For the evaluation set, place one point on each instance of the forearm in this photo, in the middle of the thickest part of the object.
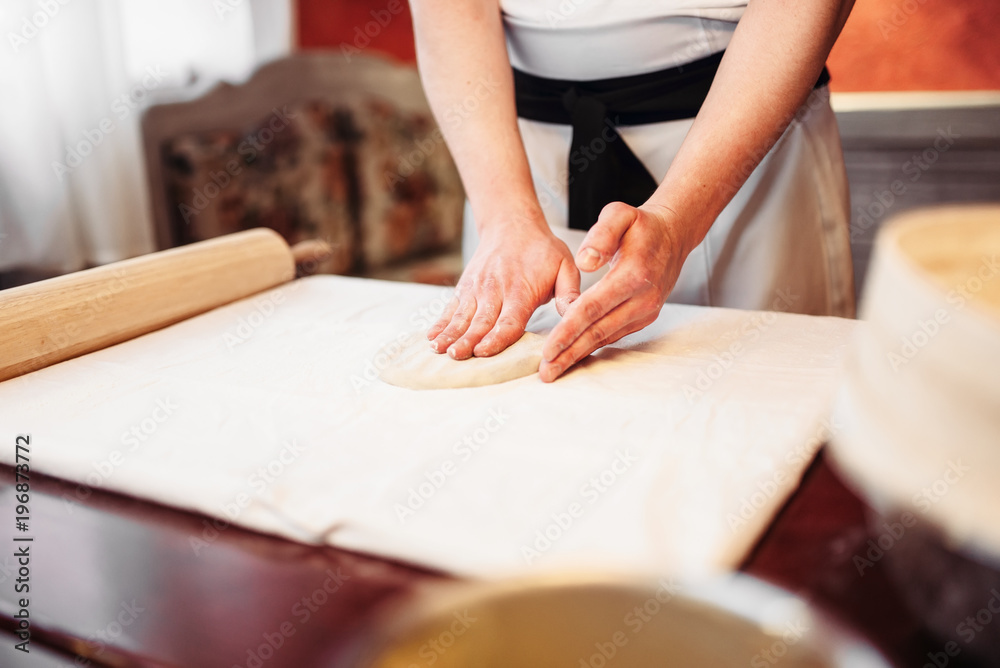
(467, 76)
(774, 59)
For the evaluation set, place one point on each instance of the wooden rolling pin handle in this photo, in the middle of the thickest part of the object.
(50, 321)
(309, 254)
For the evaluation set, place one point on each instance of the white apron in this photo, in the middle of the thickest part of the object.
(782, 243)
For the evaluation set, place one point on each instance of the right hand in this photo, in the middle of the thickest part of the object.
(518, 266)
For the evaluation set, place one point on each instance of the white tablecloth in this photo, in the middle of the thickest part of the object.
(670, 451)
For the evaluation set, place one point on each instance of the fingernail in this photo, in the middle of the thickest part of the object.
(555, 371)
(453, 353)
(589, 256)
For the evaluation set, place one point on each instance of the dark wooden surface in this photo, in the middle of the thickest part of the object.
(128, 569)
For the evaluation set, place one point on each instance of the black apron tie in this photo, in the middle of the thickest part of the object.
(602, 168)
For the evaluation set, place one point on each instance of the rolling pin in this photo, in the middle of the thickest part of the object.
(60, 318)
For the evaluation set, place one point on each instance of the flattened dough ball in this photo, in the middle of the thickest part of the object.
(417, 367)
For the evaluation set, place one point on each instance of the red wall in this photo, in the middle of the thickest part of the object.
(919, 45)
(342, 24)
(886, 44)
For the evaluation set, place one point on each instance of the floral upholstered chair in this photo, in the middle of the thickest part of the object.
(316, 147)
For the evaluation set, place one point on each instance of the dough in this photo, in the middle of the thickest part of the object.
(418, 367)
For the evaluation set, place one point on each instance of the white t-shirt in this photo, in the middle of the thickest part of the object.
(598, 39)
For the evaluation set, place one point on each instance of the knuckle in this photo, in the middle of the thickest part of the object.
(485, 316)
(615, 209)
(465, 314)
(592, 310)
(454, 330)
(598, 337)
(508, 322)
(480, 329)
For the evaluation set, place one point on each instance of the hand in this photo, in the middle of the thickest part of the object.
(516, 268)
(643, 246)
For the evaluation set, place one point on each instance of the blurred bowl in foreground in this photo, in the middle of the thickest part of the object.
(595, 621)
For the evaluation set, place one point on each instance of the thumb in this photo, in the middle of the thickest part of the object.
(603, 239)
(567, 286)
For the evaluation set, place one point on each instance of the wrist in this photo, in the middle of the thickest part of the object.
(526, 216)
(684, 233)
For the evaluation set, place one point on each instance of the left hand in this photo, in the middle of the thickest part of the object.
(645, 248)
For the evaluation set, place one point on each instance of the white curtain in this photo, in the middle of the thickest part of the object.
(74, 78)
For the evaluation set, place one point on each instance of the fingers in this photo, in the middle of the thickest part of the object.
(567, 286)
(458, 325)
(488, 308)
(445, 318)
(604, 238)
(621, 321)
(592, 305)
(509, 327)
(499, 291)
